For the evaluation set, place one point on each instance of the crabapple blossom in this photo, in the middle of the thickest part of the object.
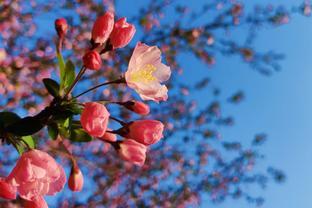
(61, 27)
(94, 119)
(122, 33)
(137, 107)
(37, 174)
(132, 151)
(39, 202)
(7, 190)
(108, 137)
(146, 132)
(92, 60)
(102, 28)
(146, 72)
(75, 181)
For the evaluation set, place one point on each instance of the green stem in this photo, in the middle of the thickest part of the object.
(81, 72)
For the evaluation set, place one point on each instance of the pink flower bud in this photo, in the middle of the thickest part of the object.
(132, 151)
(38, 202)
(7, 190)
(109, 137)
(146, 132)
(137, 107)
(94, 119)
(92, 60)
(102, 28)
(61, 27)
(122, 33)
(75, 181)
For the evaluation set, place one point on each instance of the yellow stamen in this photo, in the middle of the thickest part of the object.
(144, 75)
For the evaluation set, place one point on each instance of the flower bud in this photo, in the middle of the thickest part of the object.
(137, 107)
(92, 60)
(94, 119)
(7, 191)
(132, 151)
(102, 28)
(38, 202)
(61, 27)
(75, 181)
(146, 132)
(109, 137)
(122, 33)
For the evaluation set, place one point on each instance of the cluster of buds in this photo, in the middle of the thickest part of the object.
(36, 173)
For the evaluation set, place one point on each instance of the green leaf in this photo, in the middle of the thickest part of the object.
(53, 130)
(25, 143)
(25, 126)
(52, 86)
(61, 63)
(69, 75)
(7, 118)
(79, 135)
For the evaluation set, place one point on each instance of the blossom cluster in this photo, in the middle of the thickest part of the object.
(37, 173)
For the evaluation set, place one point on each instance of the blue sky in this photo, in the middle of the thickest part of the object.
(279, 105)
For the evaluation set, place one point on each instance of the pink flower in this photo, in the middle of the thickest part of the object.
(75, 181)
(137, 107)
(146, 72)
(61, 27)
(122, 33)
(94, 119)
(109, 137)
(37, 174)
(7, 191)
(132, 151)
(92, 60)
(102, 28)
(146, 132)
(39, 202)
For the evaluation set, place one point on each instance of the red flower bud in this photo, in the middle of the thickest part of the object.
(146, 132)
(94, 119)
(102, 28)
(122, 33)
(75, 181)
(132, 151)
(7, 191)
(137, 107)
(92, 60)
(61, 27)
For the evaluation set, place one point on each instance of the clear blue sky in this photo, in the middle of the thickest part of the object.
(280, 105)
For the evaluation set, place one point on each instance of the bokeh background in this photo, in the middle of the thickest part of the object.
(278, 105)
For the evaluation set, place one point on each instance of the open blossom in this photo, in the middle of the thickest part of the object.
(103, 27)
(146, 132)
(94, 119)
(132, 151)
(37, 174)
(122, 33)
(92, 60)
(7, 190)
(146, 72)
(75, 181)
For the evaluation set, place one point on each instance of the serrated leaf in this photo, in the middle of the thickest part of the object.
(53, 130)
(79, 135)
(25, 143)
(52, 86)
(7, 118)
(69, 75)
(25, 126)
